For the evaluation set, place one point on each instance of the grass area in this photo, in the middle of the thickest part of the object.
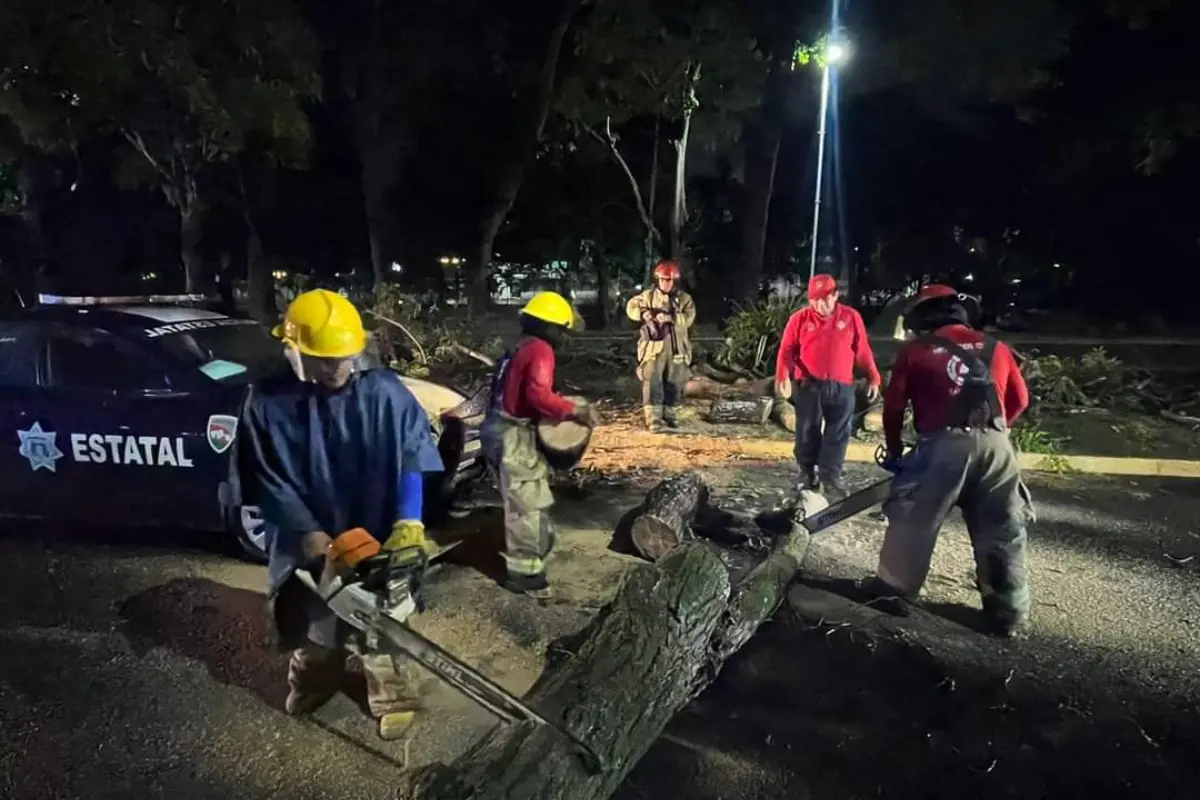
(1107, 433)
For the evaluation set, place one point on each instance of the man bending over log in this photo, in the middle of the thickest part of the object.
(966, 390)
(523, 395)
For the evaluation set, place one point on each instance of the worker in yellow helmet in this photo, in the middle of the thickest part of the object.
(335, 447)
(523, 395)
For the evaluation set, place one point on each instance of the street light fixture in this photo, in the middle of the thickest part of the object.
(836, 52)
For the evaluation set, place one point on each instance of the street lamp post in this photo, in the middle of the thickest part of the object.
(835, 53)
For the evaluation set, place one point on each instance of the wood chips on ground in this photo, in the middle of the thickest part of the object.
(622, 446)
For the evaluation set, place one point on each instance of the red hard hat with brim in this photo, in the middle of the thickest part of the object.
(821, 286)
(667, 270)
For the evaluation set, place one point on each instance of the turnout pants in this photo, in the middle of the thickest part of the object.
(392, 683)
(663, 378)
(818, 402)
(524, 480)
(978, 471)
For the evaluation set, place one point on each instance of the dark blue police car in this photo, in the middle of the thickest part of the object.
(123, 411)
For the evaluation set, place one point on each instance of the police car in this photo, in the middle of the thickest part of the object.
(123, 411)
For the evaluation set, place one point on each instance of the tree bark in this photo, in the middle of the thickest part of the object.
(657, 645)
(667, 515)
(37, 263)
(763, 137)
(508, 177)
(741, 412)
(191, 229)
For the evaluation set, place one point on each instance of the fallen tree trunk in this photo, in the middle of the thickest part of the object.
(651, 650)
(741, 412)
(667, 515)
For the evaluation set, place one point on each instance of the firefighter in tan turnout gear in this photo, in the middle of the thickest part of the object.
(664, 352)
(523, 395)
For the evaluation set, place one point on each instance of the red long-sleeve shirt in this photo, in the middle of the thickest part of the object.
(825, 348)
(528, 385)
(921, 376)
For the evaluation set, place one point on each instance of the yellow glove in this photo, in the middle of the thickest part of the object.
(409, 534)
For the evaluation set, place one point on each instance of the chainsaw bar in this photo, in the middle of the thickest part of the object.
(847, 507)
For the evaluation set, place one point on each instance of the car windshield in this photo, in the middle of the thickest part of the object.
(228, 353)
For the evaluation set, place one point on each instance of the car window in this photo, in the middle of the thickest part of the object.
(20, 354)
(226, 353)
(95, 360)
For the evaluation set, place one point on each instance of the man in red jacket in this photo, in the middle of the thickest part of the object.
(965, 390)
(822, 343)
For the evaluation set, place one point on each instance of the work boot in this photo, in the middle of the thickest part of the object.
(881, 596)
(1000, 620)
(653, 416)
(670, 419)
(535, 586)
(808, 480)
(301, 704)
(833, 488)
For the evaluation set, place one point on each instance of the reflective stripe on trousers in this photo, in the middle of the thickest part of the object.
(979, 472)
(523, 477)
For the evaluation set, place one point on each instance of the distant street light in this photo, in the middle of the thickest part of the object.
(836, 52)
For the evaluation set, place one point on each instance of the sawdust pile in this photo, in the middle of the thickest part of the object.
(622, 446)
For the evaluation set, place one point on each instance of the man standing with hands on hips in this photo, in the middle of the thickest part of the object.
(822, 343)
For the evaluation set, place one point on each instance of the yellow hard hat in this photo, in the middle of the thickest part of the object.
(550, 307)
(323, 324)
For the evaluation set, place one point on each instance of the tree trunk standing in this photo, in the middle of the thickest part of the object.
(652, 204)
(679, 214)
(191, 231)
(649, 652)
(764, 136)
(37, 261)
(380, 154)
(260, 284)
(527, 135)
(604, 301)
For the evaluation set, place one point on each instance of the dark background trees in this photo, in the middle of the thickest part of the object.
(1043, 153)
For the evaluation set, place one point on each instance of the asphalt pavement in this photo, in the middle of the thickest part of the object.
(132, 669)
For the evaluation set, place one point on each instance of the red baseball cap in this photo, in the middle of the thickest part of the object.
(821, 286)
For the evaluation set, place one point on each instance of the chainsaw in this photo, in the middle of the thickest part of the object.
(852, 504)
(378, 595)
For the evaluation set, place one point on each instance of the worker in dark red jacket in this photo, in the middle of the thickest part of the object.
(965, 390)
(822, 343)
(522, 395)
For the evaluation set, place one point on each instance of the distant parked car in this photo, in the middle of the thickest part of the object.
(124, 412)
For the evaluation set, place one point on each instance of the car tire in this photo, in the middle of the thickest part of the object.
(249, 532)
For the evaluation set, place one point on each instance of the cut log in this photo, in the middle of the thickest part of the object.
(667, 515)
(784, 414)
(741, 412)
(662, 639)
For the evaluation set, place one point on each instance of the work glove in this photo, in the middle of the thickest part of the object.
(873, 393)
(408, 543)
(783, 389)
(586, 413)
(891, 462)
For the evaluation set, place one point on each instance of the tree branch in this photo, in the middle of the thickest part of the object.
(609, 140)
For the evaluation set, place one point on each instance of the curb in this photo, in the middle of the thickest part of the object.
(860, 452)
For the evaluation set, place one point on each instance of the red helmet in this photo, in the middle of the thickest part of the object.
(667, 270)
